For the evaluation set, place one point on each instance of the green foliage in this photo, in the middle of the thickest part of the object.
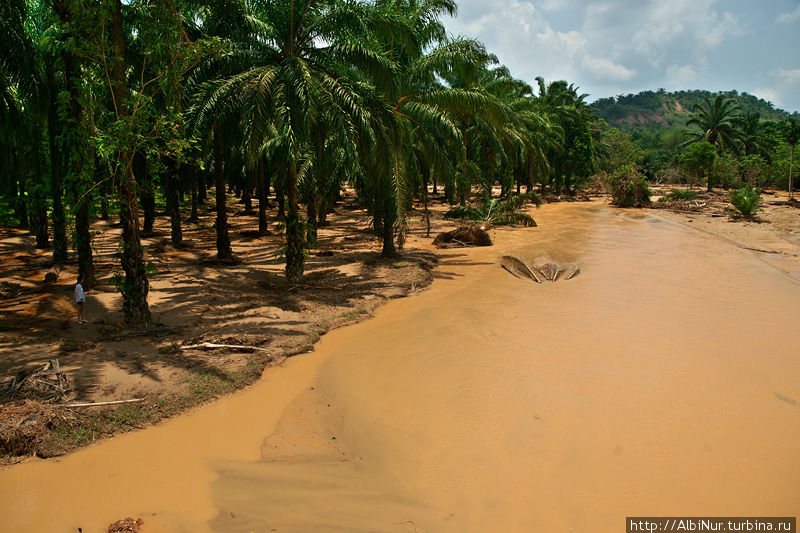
(699, 157)
(628, 188)
(716, 123)
(660, 109)
(677, 195)
(499, 212)
(746, 200)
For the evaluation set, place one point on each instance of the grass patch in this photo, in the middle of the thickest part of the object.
(126, 416)
(355, 314)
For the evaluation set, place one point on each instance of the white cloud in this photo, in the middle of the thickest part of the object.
(770, 95)
(614, 46)
(784, 91)
(680, 75)
(604, 69)
(788, 77)
(788, 18)
(568, 43)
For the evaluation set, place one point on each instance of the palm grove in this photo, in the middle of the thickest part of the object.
(107, 106)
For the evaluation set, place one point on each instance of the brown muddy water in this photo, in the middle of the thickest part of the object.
(663, 380)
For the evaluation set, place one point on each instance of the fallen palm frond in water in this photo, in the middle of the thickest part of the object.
(517, 267)
(548, 271)
(573, 270)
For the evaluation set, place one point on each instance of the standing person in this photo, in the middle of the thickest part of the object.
(80, 299)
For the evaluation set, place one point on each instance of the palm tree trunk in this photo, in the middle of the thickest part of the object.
(135, 286)
(83, 242)
(173, 206)
(791, 163)
(294, 238)
(192, 176)
(76, 154)
(38, 205)
(224, 252)
(202, 193)
(148, 199)
(20, 205)
(247, 199)
(425, 176)
(280, 194)
(311, 210)
(56, 185)
(262, 198)
(389, 249)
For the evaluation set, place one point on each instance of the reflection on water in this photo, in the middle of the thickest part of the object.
(658, 382)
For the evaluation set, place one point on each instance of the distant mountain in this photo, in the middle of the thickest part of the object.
(662, 109)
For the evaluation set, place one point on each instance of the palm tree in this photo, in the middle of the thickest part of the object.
(791, 135)
(715, 123)
(287, 81)
(416, 117)
(753, 136)
(572, 154)
(22, 106)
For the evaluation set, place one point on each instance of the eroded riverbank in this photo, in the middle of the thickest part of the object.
(661, 381)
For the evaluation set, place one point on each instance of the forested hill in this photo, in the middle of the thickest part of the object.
(656, 109)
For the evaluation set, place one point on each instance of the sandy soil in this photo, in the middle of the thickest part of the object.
(773, 233)
(193, 299)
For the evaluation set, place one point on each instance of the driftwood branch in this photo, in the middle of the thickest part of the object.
(211, 346)
(94, 404)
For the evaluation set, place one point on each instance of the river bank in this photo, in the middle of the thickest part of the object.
(194, 300)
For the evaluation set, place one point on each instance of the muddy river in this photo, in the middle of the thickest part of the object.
(664, 380)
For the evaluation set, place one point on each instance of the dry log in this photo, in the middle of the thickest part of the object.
(211, 346)
(95, 404)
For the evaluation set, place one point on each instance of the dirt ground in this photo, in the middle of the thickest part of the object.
(193, 300)
(773, 233)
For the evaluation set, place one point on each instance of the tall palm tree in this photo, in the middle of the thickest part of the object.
(571, 156)
(791, 135)
(418, 125)
(715, 123)
(753, 136)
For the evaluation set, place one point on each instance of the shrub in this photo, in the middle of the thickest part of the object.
(628, 188)
(499, 212)
(746, 200)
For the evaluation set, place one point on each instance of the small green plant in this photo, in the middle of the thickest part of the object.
(677, 195)
(746, 200)
(499, 212)
(628, 188)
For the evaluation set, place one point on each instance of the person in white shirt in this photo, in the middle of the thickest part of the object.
(80, 300)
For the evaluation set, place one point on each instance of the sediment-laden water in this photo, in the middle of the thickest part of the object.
(663, 380)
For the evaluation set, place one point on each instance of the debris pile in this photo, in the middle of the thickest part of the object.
(45, 383)
(463, 237)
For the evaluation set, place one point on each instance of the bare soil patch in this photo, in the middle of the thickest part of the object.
(773, 233)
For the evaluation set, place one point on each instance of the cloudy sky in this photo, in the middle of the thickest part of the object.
(624, 46)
